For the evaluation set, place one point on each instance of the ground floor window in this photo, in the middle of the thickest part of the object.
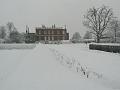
(42, 38)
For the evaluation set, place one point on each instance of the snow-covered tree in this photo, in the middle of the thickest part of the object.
(115, 29)
(87, 35)
(76, 37)
(113, 34)
(15, 37)
(11, 27)
(2, 32)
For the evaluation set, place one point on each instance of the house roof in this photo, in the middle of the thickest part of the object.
(50, 28)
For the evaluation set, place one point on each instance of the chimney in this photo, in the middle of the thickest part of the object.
(54, 25)
(27, 29)
(65, 26)
(26, 32)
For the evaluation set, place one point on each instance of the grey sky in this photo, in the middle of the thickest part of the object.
(60, 12)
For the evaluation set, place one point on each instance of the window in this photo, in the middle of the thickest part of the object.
(42, 37)
(48, 31)
(55, 32)
(42, 32)
(63, 32)
(61, 38)
(46, 37)
(39, 32)
(50, 37)
(45, 32)
(58, 32)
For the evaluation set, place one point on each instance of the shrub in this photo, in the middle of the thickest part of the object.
(107, 48)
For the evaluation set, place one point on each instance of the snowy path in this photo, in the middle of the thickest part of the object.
(39, 70)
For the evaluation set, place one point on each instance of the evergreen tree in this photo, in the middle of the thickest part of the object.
(76, 37)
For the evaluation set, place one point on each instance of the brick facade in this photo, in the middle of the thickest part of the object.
(48, 34)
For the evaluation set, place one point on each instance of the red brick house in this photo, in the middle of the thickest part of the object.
(48, 34)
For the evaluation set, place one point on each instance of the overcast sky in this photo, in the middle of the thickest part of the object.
(60, 12)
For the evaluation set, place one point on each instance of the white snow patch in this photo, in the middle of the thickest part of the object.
(38, 69)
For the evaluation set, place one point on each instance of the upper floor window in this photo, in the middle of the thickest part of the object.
(48, 31)
(63, 32)
(45, 32)
(39, 32)
(51, 32)
(55, 32)
(58, 32)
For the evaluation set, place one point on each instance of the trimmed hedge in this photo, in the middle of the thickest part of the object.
(107, 48)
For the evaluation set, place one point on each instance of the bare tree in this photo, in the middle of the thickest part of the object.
(97, 20)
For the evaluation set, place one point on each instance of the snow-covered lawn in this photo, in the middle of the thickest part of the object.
(45, 68)
(105, 63)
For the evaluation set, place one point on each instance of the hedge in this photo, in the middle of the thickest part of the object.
(107, 48)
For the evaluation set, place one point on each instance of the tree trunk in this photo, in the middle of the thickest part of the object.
(115, 36)
(98, 39)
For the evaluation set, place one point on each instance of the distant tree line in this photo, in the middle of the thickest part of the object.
(10, 34)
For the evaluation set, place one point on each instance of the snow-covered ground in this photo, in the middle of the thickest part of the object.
(49, 67)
